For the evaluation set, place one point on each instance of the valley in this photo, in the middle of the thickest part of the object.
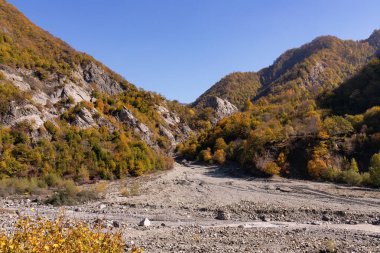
(282, 159)
(195, 208)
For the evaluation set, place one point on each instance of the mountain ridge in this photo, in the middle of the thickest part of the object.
(268, 76)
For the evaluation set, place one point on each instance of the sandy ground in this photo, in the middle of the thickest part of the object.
(209, 209)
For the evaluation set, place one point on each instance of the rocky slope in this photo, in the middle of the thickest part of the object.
(62, 112)
(55, 77)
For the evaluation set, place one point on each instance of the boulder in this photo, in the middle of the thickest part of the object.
(144, 222)
(223, 215)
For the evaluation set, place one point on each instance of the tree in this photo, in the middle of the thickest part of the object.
(248, 106)
(354, 165)
(374, 170)
(219, 156)
(337, 125)
(205, 155)
(220, 144)
(317, 168)
(271, 168)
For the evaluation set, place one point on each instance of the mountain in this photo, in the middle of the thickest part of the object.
(63, 112)
(235, 88)
(314, 114)
(315, 67)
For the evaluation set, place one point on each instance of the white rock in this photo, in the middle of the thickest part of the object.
(145, 222)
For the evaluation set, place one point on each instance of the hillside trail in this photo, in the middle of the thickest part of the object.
(194, 208)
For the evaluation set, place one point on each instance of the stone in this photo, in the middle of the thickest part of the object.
(284, 189)
(223, 215)
(115, 224)
(222, 107)
(144, 222)
(102, 206)
(326, 218)
(264, 218)
(92, 73)
(84, 119)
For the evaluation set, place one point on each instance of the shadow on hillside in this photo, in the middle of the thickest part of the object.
(357, 94)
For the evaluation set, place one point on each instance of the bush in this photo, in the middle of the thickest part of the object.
(354, 165)
(317, 168)
(133, 190)
(219, 156)
(69, 194)
(337, 125)
(205, 155)
(45, 236)
(374, 170)
(10, 186)
(366, 178)
(351, 177)
(333, 174)
(220, 144)
(271, 168)
(53, 180)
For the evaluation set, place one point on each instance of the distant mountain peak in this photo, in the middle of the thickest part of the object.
(374, 39)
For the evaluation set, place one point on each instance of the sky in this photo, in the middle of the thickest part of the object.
(179, 48)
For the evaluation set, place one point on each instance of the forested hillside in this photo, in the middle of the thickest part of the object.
(314, 116)
(64, 113)
(315, 67)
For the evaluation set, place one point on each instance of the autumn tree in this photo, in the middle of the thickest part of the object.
(220, 144)
(374, 170)
(219, 156)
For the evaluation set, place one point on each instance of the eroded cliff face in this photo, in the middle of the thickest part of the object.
(49, 98)
(222, 107)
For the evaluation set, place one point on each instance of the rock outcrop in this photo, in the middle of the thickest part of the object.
(127, 117)
(222, 107)
(176, 130)
(93, 74)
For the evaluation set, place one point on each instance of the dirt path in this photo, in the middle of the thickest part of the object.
(255, 215)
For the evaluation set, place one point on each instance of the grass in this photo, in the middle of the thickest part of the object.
(133, 190)
(28, 186)
(70, 194)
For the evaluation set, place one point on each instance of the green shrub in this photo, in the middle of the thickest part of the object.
(10, 186)
(374, 170)
(70, 194)
(333, 174)
(351, 177)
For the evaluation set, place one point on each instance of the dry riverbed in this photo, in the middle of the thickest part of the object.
(209, 209)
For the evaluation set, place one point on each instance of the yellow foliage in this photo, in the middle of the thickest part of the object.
(281, 159)
(45, 236)
(219, 156)
(271, 168)
(317, 168)
(205, 155)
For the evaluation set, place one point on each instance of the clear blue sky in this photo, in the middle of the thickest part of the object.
(179, 48)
